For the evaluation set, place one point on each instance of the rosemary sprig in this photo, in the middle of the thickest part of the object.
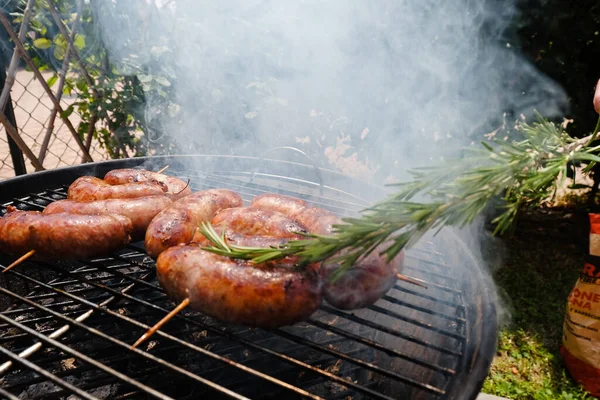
(522, 173)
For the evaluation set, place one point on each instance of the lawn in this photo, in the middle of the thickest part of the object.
(539, 265)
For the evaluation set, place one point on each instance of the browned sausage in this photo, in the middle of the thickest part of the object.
(254, 227)
(177, 224)
(287, 205)
(140, 210)
(63, 236)
(365, 282)
(268, 295)
(89, 188)
(258, 222)
(176, 188)
(317, 220)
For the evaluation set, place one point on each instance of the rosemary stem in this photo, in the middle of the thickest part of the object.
(596, 129)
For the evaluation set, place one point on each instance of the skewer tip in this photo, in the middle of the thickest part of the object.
(161, 323)
(414, 281)
(163, 169)
(19, 260)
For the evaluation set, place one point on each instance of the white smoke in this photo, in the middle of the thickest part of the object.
(401, 83)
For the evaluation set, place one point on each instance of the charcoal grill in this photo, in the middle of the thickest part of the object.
(66, 327)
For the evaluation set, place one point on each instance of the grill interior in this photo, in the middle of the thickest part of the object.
(66, 327)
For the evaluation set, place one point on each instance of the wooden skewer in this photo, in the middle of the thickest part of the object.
(163, 169)
(163, 321)
(19, 260)
(414, 281)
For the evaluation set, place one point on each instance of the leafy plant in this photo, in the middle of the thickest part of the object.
(111, 95)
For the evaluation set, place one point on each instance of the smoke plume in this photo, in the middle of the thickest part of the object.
(383, 86)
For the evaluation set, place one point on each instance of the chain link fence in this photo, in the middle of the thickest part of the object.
(33, 112)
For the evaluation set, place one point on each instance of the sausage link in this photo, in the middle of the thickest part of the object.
(253, 227)
(286, 205)
(237, 292)
(89, 188)
(63, 236)
(140, 210)
(362, 284)
(177, 224)
(257, 222)
(176, 188)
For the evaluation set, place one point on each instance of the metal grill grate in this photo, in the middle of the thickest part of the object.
(66, 328)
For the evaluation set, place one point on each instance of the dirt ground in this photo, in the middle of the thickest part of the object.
(33, 109)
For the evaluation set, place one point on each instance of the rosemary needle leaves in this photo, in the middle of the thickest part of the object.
(522, 173)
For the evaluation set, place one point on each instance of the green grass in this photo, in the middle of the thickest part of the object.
(539, 267)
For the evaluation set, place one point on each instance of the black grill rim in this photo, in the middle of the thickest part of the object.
(480, 347)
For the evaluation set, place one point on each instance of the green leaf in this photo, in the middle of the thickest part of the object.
(79, 41)
(59, 40)
(67, 112)
(162, 80)
(42, 43)
(81, 85)
(145, 78)
(59, 52)
(52, 80)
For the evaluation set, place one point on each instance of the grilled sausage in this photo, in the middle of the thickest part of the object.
(140, 210)
(89, 188)
(177, 224)
(318, 220)
(258, 222)
(361, 285)
(286, 205)
(254, 227)
(63, 236)
(176, 188)
(267, 295)
(364, 283)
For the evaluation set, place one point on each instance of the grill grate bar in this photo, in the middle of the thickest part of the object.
(8, 395)
(423, 325)
(364, 364)
(43, 372)
(390, 331)
(155, 359)
(380, 347)
(30, 204)
(208, 328)
(85, 368)
(125, 378)
(30, 309)
(242, 187)
(82, 290)
(435, 264)
(62, 330)
(48, 199)
(374, 308)
(423, 309)
(427, 297)
(433, 284)
(32, 295)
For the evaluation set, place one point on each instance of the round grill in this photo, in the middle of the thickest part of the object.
(66, 327)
